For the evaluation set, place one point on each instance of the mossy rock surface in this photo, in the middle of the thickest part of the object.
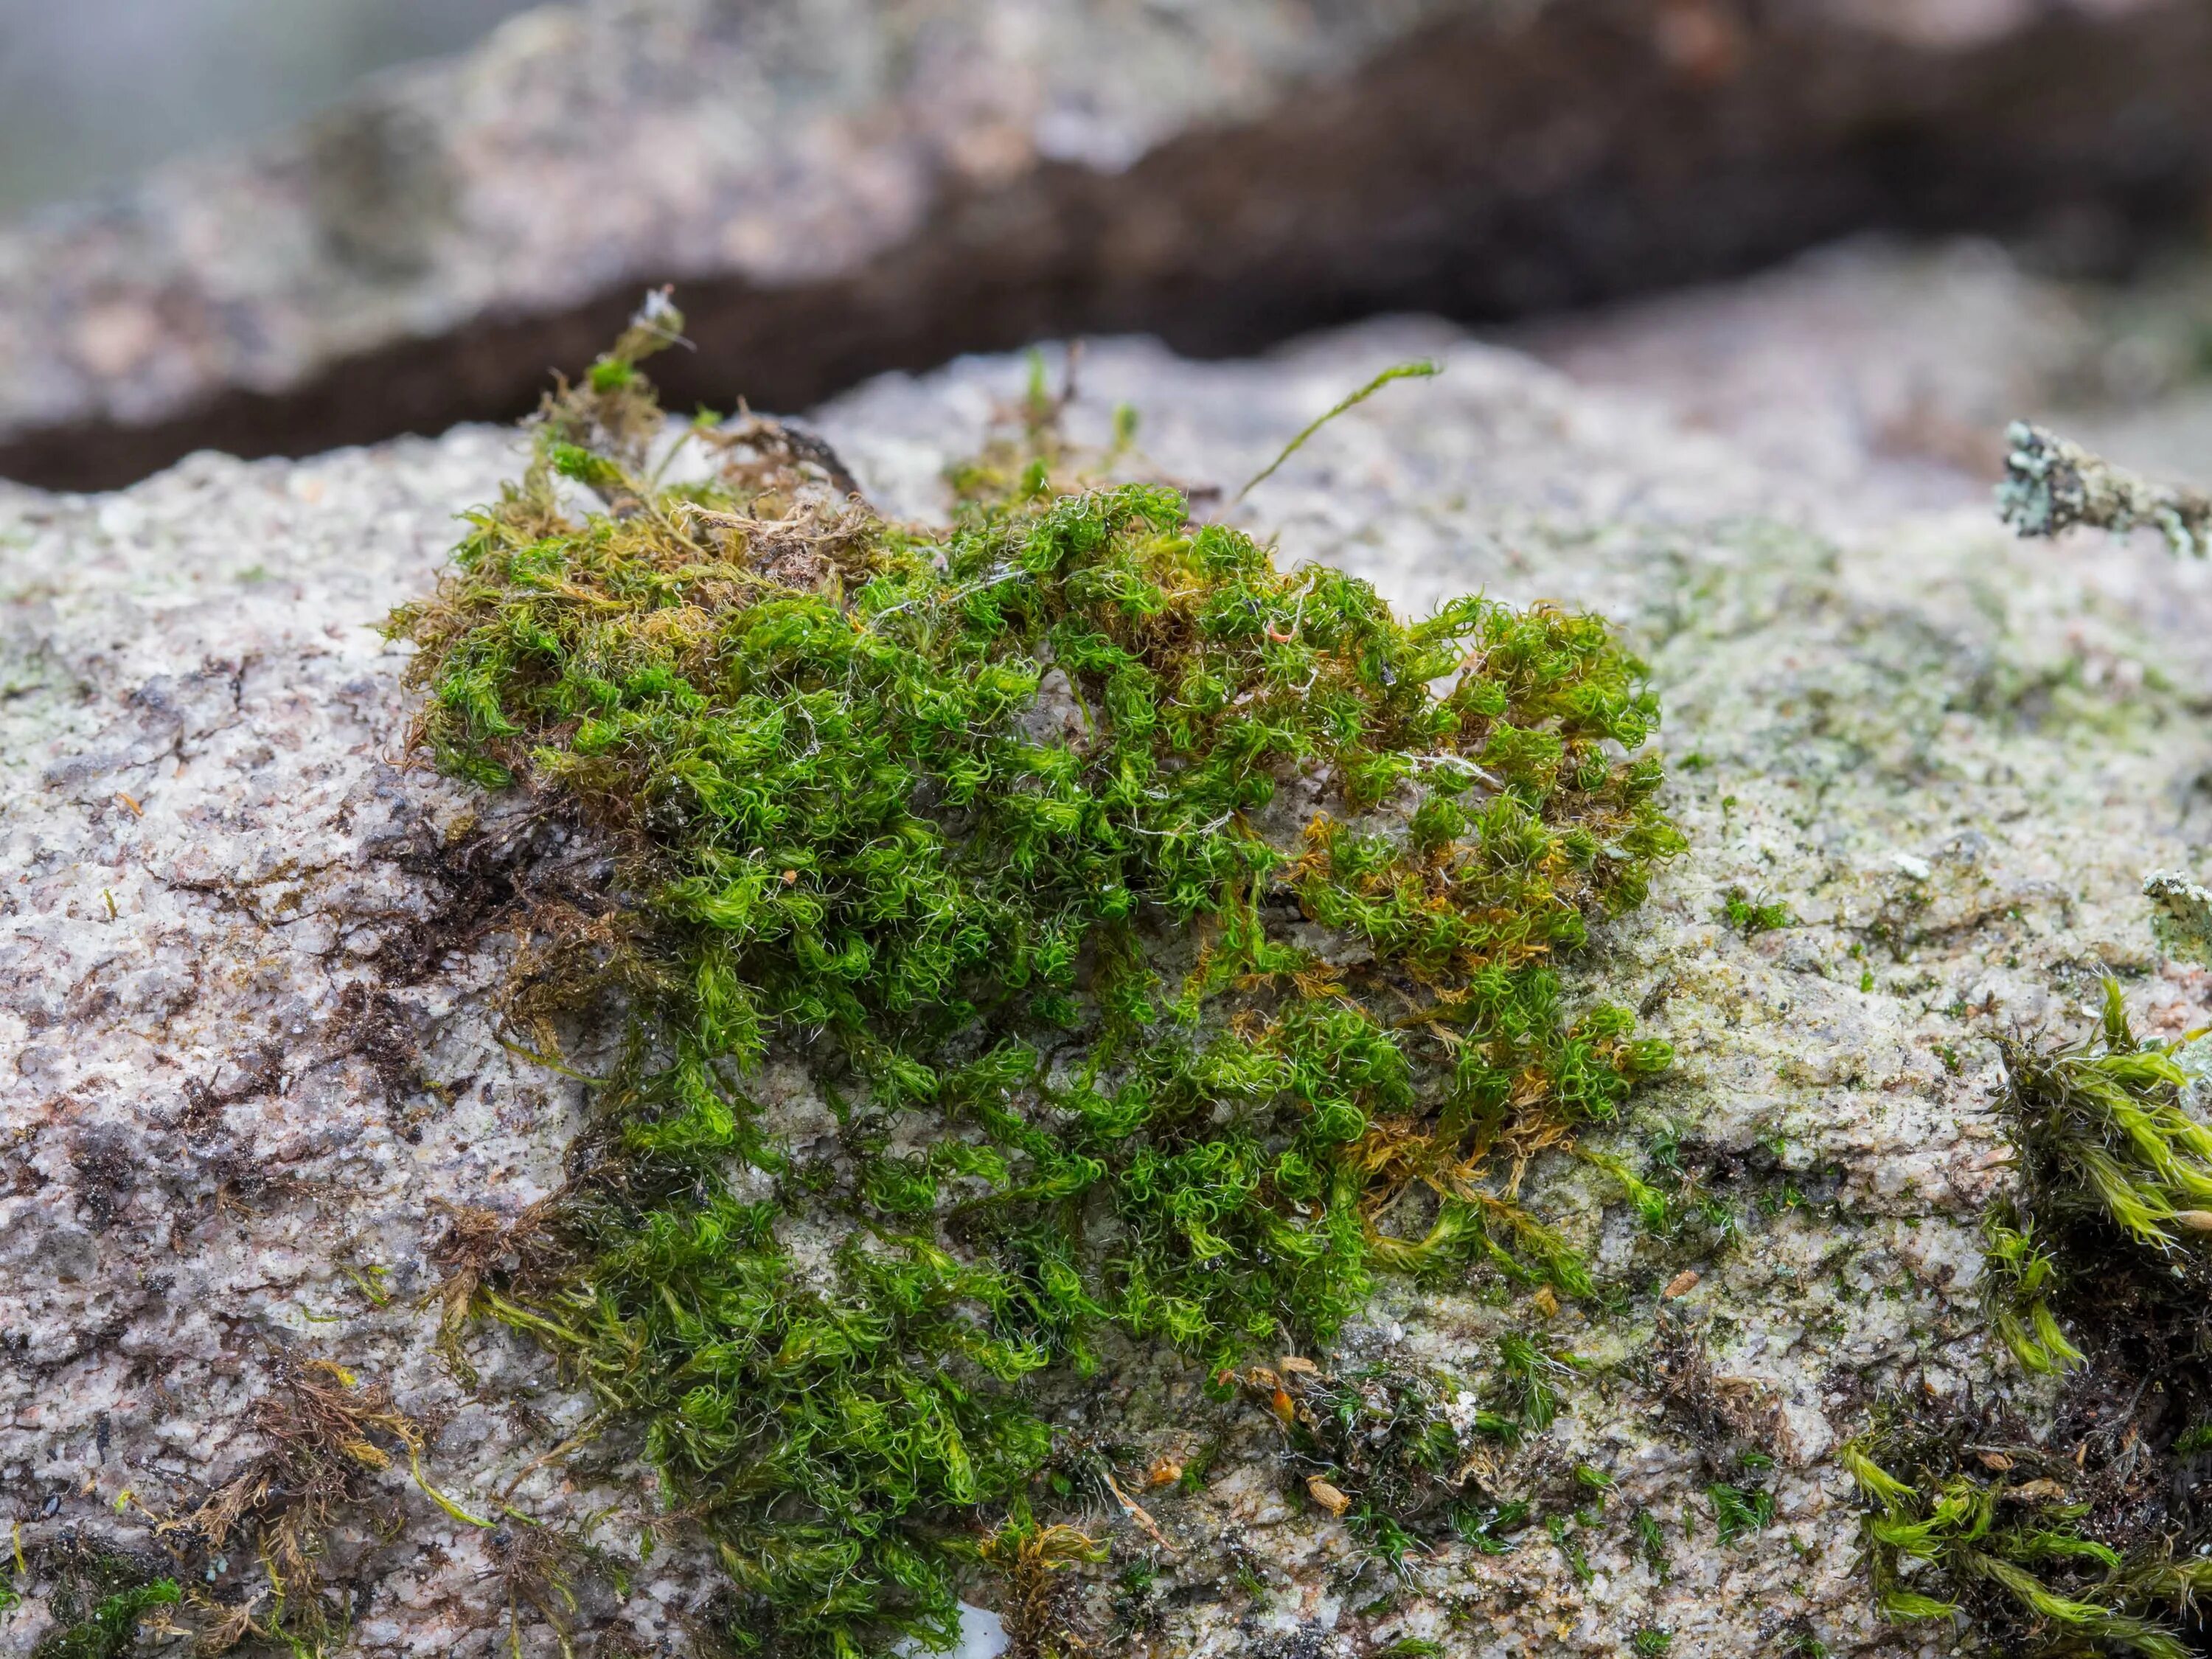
(256, 1099)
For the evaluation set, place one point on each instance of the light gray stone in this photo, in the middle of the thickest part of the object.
(239, 940)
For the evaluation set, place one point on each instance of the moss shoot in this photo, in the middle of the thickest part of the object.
(1173, 939)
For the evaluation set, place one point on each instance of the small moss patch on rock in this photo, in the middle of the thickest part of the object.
(1172, 941)
(100, 1597)
(2077, 1529)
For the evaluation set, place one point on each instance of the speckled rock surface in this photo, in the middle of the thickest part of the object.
(247, 1033)
(844, 186)
(248, 1074)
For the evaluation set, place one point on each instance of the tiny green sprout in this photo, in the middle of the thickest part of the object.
(1136, 1596)
(1651, 1204)
(1739, 1511)
(1038, 405)
(1651, 1643)
(369, 1279)
(1752, 917)
(2193, 1440)
(1489, 1528)
(1387, 1539)
(1196, 1468)
(1569, 1548)
(1596, 1479)
(1421, 369)
(1651, 1544)
(2016, 1292)
(1013, 839)
(1410, 1647)
(1531, 1380)
(1720, 1217)
(1789, 1198)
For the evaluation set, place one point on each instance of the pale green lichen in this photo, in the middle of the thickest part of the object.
(2052, 485)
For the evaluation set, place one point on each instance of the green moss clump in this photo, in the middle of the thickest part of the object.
(1031, 1563)
(1946, 1539)
(2110, 1225)
(100, 1600)
(2104, 1139)
(1173, 937)
(1752, 917)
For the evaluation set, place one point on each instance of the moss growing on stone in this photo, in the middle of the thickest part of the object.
(1944, 1540)
(110, 1628)
(2074, 1535)
(1752, 916)
(1970, 1514)
(1174, 940)
(2020, 1278)
(2106, 1145)
(99, 1598)
(1401, 1452)
(1032, 1562)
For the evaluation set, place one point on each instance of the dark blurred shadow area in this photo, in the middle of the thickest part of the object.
(842, 187)
(93, 91)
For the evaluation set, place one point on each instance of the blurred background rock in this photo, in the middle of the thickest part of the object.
(94, 91)
(222, 237)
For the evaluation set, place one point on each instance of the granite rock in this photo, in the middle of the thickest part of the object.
(251, 1073)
